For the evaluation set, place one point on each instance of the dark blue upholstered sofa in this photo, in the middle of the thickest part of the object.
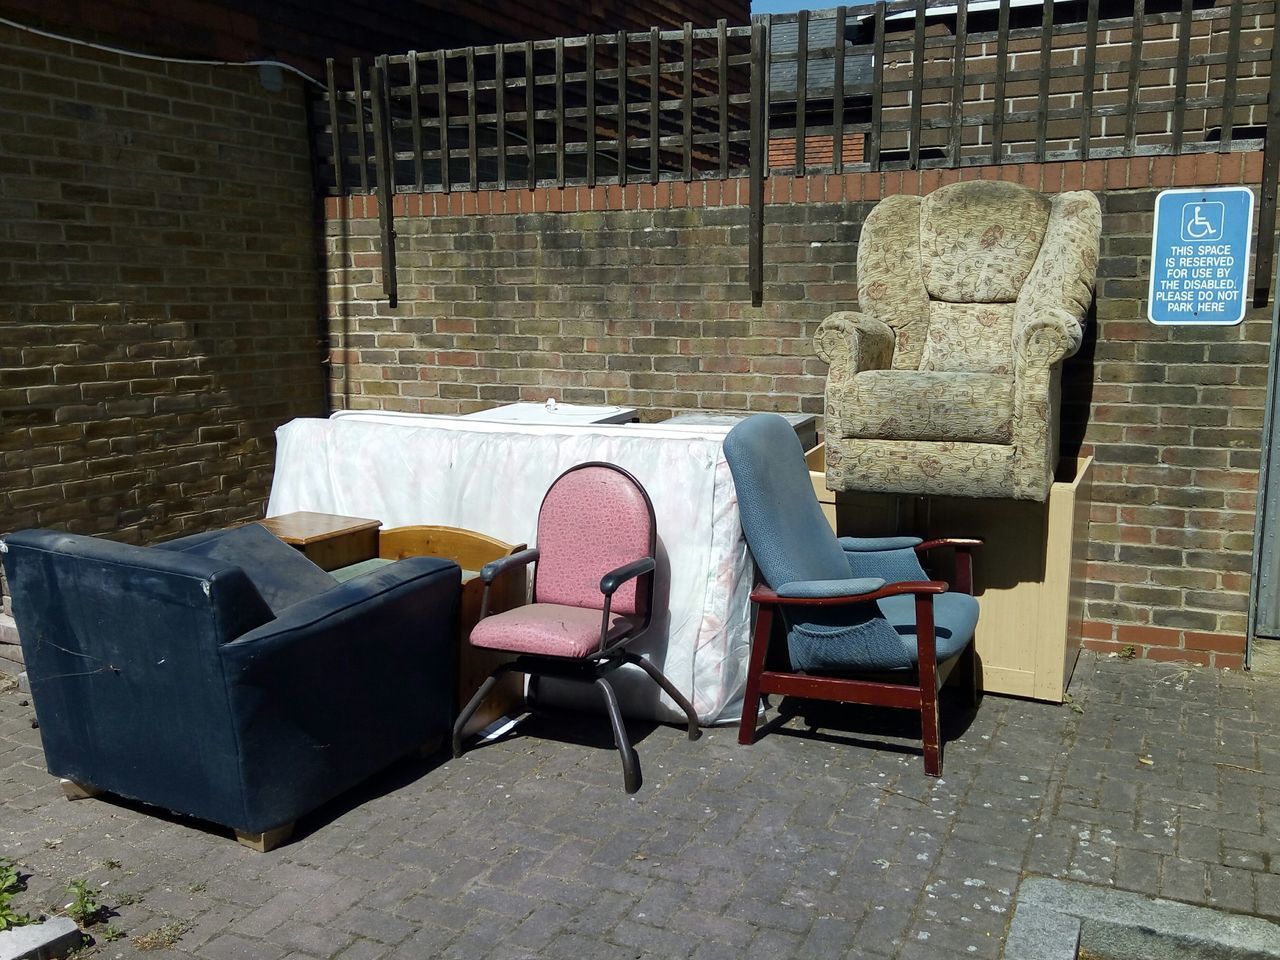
(226, 677)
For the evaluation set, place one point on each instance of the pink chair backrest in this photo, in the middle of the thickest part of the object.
(594, 519)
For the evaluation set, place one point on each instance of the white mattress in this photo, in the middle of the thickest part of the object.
(490, 477)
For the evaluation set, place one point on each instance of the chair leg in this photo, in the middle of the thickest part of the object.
(930, 728)
(669, 688)
(755, 667)
(474, 704)
(630, 764)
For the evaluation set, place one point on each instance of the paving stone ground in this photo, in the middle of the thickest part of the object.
(1161, 779)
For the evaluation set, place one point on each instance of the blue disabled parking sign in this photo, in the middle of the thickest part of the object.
(1200, 256)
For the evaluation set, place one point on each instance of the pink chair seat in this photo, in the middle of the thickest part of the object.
(549, 629)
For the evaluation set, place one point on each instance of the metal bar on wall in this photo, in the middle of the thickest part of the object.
(415, 115)
(1270, 174)
(955, 142)
(622, 108)
(755, 194)
(1229, 86)
(877, 85)
(654, 65)
(1042, 95)
(1180, 76)
(473, 148)
(722, 73)
(687, 56)
(802, 86)
(362, 147)
(1002, 68)
(500, 110)
(335, 130)
(591, 111)
(1135, 75)
(1086, 94)
(442, 99)
(378, 92)
(837, 97)
(530, 124)
(917, 85)
(560, 176)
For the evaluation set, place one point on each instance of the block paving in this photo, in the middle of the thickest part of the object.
(1157, 778)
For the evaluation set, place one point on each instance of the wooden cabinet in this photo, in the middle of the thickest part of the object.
(471, 551)
(1029, 575)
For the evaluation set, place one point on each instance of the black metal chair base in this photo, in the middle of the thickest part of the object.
(593, 671)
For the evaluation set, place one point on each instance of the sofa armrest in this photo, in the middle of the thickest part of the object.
(340, 685)
(851, 341)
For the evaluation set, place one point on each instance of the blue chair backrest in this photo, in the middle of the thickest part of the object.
(789, 537)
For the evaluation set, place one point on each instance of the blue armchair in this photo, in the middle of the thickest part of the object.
(225, 676)
(863, 622)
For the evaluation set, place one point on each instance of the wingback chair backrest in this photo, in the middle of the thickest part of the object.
(957, 273)
(595, 518)
(789, 537)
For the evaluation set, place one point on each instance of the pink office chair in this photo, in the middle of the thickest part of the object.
(592, 596)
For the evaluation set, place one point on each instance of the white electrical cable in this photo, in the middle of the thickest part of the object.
(107, 48)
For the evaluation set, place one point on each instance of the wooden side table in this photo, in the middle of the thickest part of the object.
(327, 540)
(471, 551)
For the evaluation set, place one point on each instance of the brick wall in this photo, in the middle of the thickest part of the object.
(158, 295)
(638, 296)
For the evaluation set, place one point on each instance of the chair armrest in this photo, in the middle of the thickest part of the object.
(1051, 335)
(342, 684)
(495, 568)
(964, 558)
(830, 588)
(853, 341)
(875, 544)
(612, 580)
(763, 594)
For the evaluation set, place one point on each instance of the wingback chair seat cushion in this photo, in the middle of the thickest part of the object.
(548, 629)
(162, 675)
(911, 405)
(970, 299)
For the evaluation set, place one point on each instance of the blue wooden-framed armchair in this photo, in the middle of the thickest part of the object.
(863, 621)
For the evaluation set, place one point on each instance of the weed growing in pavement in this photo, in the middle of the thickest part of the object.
(84, 907)
(10, 885)
(161, 937)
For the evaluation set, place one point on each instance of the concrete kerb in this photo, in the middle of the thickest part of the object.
(1053, 918)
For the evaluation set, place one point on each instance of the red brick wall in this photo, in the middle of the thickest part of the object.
(638, 296)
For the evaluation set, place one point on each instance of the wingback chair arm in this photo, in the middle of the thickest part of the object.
(963, 547)
(766, 595)
(876, 544)
(851, 341)
(1051, 335)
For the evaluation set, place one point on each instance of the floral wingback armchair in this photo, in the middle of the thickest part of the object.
(948, 381)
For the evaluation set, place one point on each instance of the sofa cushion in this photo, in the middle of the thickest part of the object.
(910, 405)
(552, 629)
(282, 574)
(979, 241)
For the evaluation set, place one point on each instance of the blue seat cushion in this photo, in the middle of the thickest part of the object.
(955, 616)
(282, 575)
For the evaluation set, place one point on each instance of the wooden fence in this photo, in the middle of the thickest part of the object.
(908, 84)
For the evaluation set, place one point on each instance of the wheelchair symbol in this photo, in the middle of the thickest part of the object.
(1202, 220)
